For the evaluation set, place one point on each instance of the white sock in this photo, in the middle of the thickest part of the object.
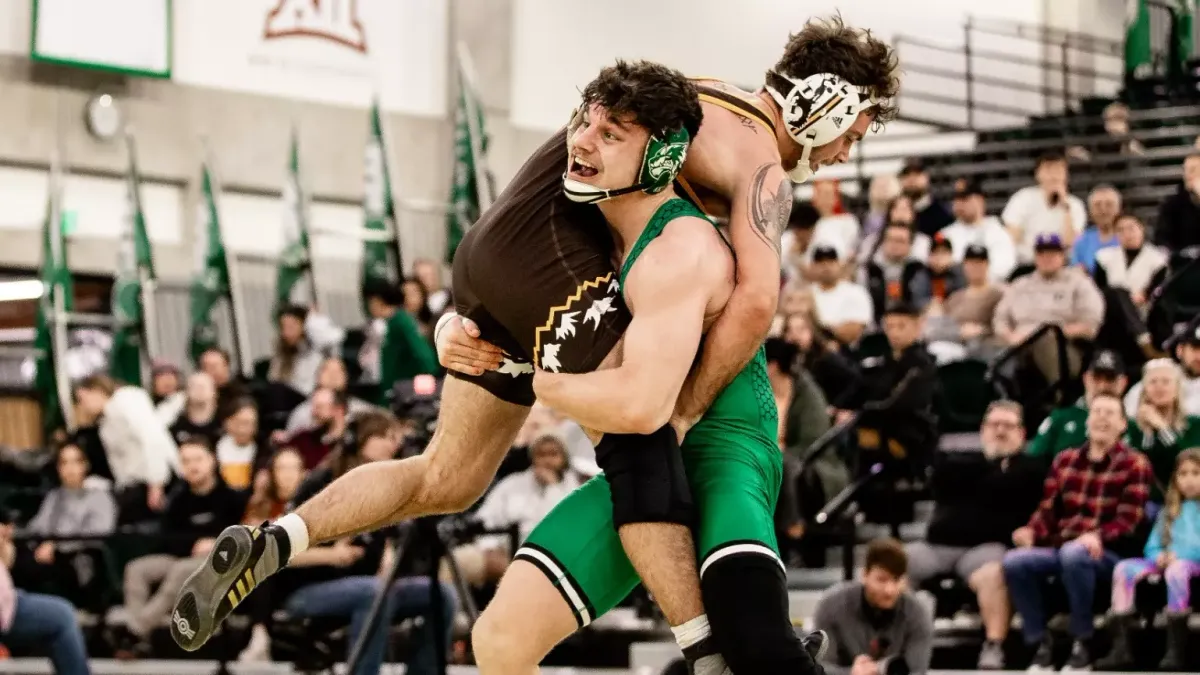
(691, 632)
(297, 534)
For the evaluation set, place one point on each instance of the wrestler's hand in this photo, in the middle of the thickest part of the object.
(460, 349)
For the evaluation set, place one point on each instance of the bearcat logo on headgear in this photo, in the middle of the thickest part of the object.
(335, 20)
(665, 165)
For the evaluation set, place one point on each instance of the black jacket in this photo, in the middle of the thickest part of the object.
(979, 500)
(910, 421)
(1178, 224)
(836, 375)
(190, 517)
(931, 219)
(915, 287)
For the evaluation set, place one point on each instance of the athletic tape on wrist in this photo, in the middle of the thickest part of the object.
(445, 319)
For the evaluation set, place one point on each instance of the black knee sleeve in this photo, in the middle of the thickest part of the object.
(746, 598)
(646, 477)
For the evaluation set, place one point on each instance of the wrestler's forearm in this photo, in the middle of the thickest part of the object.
(608, 401)
(731, 343)
(759, 211)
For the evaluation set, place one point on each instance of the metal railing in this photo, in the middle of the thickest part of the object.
(1056, 78)
(995, 379)
(839, 513)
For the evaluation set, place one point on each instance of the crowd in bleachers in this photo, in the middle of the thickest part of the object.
(114, 517)
(890, 317)
(1051, 299)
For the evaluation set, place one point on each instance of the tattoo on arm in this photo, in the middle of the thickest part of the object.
(769, 210)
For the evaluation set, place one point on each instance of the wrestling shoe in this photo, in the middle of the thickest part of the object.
(239, 560)
(703, 659)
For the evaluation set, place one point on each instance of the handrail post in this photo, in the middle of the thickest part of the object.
(1064, 364)
(969, 72)
(1066, 76)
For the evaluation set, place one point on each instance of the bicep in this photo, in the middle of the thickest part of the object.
(760, 208)
(664, 335)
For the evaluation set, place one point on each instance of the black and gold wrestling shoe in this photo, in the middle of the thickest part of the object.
(702, 658)
(239, 560)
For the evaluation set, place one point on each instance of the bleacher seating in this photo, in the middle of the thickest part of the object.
(1003, 159)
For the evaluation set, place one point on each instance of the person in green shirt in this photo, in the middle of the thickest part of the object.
(1161, 429)
(1067, 427)
(405, 352)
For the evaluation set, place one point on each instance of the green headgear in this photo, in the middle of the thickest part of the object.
(661, 163)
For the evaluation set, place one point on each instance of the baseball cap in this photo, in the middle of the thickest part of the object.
(976, 252)
(1107, 362)
(1048, 241)
(940, 241)
(1192, 338)
(824, 252)
(969, 188)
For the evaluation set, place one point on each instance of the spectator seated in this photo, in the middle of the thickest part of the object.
(979, 499)
(1067, 539)
(902, 434)
(196, 512)
(1057, 295)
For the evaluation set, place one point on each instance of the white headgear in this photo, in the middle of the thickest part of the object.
(817, 110)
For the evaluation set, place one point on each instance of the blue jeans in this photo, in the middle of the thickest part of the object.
(352, 597)
(1026, 571)
(48, 622)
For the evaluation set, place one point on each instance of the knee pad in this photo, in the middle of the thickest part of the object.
(746, 598)
(646, 477)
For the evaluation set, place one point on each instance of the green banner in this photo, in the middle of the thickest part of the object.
(1184, 27)
(472, 189)
(135, 264)
(1139, 57)
(210, 282)
(380, 257)
(295, 260)
(57, 295)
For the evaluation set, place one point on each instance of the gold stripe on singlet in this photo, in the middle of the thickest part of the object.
(738, 105)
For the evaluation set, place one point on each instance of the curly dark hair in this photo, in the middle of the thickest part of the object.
(853, 54)
(658, 98)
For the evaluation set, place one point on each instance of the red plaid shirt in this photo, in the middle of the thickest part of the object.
(1081, 496)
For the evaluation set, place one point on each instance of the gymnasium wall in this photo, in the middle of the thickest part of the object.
(243, 79)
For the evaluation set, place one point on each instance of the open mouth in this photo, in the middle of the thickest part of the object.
(581, 168)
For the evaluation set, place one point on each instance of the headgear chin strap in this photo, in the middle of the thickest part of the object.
(661, 163)
(816, 110)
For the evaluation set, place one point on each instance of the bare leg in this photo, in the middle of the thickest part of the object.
(665, 557)
(992, 593)
(475, 431)
(663, 554)
(525, 620)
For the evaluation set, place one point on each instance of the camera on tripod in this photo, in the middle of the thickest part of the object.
(417, 401)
